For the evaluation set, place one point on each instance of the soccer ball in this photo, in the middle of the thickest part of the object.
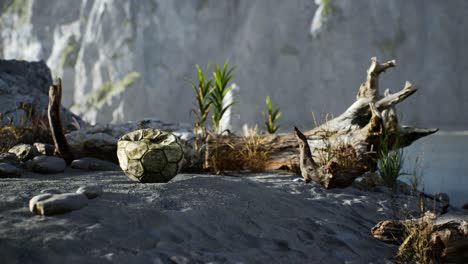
(150, 155)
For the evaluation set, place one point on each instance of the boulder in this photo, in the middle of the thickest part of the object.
(150, 155)
(51, 204)
(9, 171)
(24, 152)
(44, 149)
(465, 206)
(93, 164)
(24, 88)
(9, 158)
(91, 192)
(48, 164)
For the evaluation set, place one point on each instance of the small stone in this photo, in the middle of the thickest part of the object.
(48, 164)
(298, 180)
(91, 192)
(93, 164)
(44, 149)
(9, 171)
(50, 204)
(24, 152)
(179, 260)
(51, 191)
(9, 158)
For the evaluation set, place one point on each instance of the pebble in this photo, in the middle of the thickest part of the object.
(91, 192)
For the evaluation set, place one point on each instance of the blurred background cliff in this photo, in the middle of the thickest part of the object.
(126, 60)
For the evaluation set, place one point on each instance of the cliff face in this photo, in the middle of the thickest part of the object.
(126, 60)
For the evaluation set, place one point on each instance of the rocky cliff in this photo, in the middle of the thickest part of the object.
(127, 60)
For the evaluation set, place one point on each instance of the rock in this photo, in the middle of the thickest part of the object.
(90, 191)
(9, 158)
(93, 164)
(48, 164)
(24, 152)
(44, 149)
(24, 88)
(97, 145)
(150, 155)
(51, 204)
(298, 180)
(9, 171)
(465, 206)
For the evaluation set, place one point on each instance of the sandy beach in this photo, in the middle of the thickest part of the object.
(256, 218)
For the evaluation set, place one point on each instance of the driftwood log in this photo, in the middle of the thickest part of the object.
(343, 148)
(62, 148)
(442, 239)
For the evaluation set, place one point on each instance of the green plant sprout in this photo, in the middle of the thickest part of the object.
(391, 161)
(220, 89)
(202, 91)
(271, 117)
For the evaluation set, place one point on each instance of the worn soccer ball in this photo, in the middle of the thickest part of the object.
(150, 155)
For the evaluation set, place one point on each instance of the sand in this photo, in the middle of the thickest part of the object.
(257, 218)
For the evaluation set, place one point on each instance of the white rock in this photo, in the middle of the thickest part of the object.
(90, 191)
(50, 204)
(24, 152)
(44, 149)
(48, 164)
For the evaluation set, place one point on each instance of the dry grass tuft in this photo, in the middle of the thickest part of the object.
(247, 154)
(417, 246)
(32, 127)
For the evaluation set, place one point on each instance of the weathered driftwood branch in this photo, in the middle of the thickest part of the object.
(445, 237)
(55, 122)
(344, 147)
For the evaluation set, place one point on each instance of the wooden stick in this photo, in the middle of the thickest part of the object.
(62, 148)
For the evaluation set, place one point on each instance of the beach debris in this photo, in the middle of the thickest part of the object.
(428, 239)
(150, 155)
